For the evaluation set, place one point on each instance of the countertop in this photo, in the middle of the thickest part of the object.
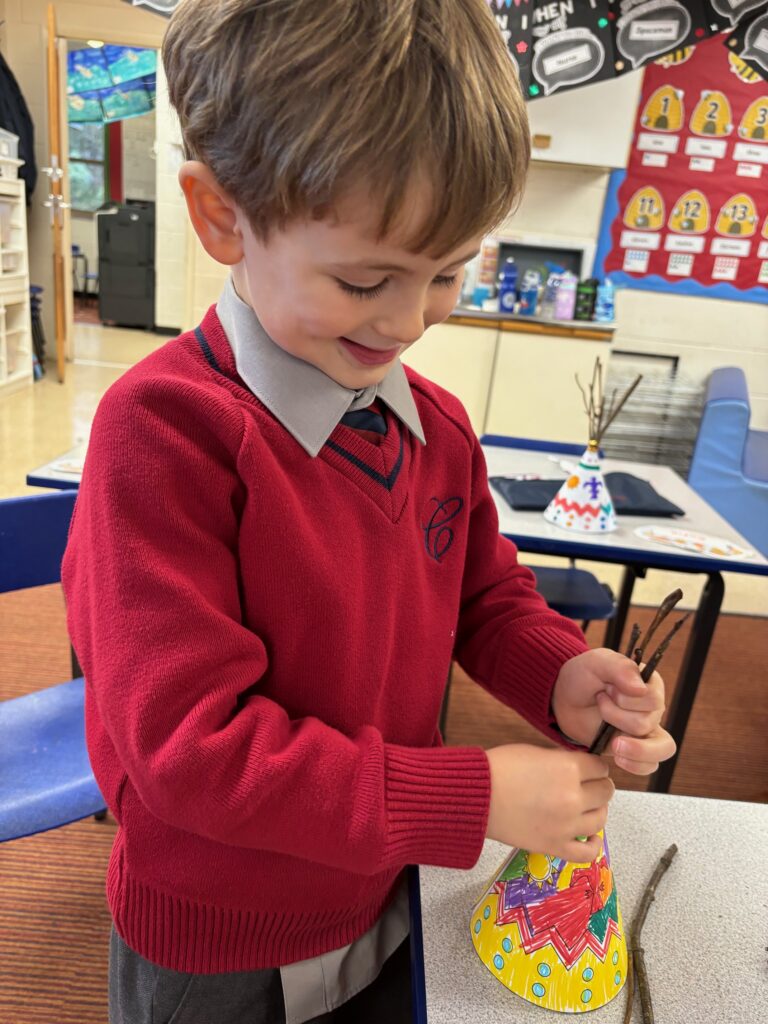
(705, 936)
(532, 324)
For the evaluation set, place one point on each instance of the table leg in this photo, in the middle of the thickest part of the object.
(696, 651)
(615, 628)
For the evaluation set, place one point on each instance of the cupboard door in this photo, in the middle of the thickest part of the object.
(534, 393)
(459, 359)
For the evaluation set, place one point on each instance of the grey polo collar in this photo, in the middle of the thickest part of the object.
(307, 402)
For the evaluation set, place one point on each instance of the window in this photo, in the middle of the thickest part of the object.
(88, 165)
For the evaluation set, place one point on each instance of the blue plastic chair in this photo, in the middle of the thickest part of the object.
(45, 775)
(729, 468)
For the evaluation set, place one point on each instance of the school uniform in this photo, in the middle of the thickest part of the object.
(266, 600)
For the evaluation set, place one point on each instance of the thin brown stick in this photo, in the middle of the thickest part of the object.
(664, 609)
(657, 655)
(635, 954)
(633, 638)
(643, 986)
(622, 401)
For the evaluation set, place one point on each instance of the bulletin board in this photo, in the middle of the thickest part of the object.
(690, 214)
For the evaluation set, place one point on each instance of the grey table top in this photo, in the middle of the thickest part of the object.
(533, 532)
(705, 936)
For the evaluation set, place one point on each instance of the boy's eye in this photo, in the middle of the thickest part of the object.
(445, 282)
(362, 293)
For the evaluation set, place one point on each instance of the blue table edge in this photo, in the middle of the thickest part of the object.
(418, 981)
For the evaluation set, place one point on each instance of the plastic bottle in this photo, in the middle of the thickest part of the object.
(550, 293)
(508, 287)
(604, 303)
(529, 292)
(565, 297)
(586, 294)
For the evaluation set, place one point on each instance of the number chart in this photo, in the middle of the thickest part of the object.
(691, 212)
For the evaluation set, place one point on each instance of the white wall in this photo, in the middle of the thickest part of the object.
(171, 300)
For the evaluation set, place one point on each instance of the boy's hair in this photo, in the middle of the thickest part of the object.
(292, 102)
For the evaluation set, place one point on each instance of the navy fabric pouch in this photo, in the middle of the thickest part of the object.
(631, 495)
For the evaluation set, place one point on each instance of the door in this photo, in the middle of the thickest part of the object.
(60, 227)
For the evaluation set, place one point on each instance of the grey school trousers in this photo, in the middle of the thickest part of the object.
(140, 992)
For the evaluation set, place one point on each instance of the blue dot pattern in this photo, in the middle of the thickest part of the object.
(615, 958)
(477, 927)
(498, 962)
(544, 970)
(586, 995)
(506, 945)
(588, 974)
(617, 979)
(538, 990)
(487, 913)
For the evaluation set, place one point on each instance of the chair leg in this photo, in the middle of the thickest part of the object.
(585, 625)
(100, 815)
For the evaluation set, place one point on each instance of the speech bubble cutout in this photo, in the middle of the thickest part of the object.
(734, 10)
(652, 29)
(756, 42)
(567, 58)
(166, 7)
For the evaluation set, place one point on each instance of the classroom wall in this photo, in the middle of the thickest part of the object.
(567, 201)
(139, 174)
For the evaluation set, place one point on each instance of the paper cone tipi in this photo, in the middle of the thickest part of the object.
(583, 503)
(551, 931)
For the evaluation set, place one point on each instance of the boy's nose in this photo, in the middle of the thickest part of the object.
(403, 326)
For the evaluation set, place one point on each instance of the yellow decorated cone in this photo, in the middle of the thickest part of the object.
(583, 503)
(551, 931)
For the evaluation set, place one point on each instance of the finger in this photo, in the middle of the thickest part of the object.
(636, 723)
(597, 794)
(594, 821)
(582, 852)
(620, 672)
(655, 747)
(651, 697)
(590, 766)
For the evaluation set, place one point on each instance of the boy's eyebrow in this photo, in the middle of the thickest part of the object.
(394, 267)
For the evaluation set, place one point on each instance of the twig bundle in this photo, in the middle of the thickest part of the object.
(600, 417)
(606, 732)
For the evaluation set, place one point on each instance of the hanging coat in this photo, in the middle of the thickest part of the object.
(15, 117)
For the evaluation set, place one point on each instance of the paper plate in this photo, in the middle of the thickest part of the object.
(690, 540)
(74, 466)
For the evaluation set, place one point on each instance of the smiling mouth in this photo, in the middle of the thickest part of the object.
(369, 356)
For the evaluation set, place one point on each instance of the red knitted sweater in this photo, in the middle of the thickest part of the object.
(266, 638)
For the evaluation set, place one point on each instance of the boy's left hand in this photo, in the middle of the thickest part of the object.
(604, 686)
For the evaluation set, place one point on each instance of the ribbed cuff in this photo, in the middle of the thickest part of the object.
(437, 805)
(529, 667)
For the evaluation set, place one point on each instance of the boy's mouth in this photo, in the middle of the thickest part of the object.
(369, 356)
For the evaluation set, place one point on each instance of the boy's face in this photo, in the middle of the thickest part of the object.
(329, 293)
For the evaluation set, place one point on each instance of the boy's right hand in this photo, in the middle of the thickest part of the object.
(542, 799)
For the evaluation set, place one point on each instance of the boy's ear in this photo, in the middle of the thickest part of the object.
(212, 212)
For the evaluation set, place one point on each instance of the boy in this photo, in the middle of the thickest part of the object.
(283, 537)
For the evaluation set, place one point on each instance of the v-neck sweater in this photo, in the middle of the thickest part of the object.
(265, 638)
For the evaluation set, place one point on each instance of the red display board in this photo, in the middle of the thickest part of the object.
(694, 202)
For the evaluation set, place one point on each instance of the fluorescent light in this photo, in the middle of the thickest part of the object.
(95, 43)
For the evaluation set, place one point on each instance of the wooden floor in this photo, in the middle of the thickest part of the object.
(54, 924)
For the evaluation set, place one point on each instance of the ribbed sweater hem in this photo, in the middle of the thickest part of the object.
(187, 935)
